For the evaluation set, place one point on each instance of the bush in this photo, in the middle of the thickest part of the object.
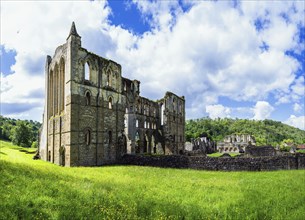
(34, 144)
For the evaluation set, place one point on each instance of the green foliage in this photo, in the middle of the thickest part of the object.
(35, 189)
(266, 132)
(21, 132)
(34, 144)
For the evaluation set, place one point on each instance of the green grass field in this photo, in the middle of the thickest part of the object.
(31, 189)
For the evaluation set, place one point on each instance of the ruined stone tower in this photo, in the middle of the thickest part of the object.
(93, 115)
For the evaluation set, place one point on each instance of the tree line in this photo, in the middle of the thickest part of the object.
(23, 133)
(265, 132)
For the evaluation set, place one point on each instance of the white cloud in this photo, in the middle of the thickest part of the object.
(297, 107)
(262, 110)
(34, 30)
(296, 121)
(193, 53)
(202, 54)
(218, 111)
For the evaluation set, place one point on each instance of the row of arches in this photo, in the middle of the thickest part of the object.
(112, 78)
(146, 109)
(88, 136)
(147, 124)
(147, 144)
(56, 89)
(88, 100)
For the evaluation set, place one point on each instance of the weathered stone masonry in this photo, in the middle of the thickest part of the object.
(93, 115)
(281, 162)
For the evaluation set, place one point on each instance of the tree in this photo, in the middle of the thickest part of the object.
(22, 134)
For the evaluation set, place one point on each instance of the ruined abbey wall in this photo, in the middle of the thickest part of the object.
(282, 162)
(93, 115)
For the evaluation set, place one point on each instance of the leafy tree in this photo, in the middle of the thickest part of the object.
(266, 132)
(22, 134)
(8, 128)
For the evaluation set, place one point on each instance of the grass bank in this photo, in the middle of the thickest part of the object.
(32, 189)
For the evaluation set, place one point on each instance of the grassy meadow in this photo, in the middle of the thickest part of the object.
(34, 189)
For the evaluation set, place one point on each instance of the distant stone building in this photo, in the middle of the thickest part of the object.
(93, 115)
(235, 143)
(200, 146)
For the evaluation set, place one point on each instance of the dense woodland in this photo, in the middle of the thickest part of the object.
(266, 132)
(23, 133)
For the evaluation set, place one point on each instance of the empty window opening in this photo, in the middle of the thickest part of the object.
(125, 122)
(109, 137)
(88, 137)
(87, 72)
(162, 114)
(109, 81)
(110, 103)
(88, 98)
(49, 155)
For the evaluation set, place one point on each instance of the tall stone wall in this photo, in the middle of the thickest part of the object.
(285, 162)
(93, 115)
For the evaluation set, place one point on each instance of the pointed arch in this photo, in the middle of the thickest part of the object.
(88, 136)
(50, 94)
(137, 142)
(55, 89)
(153, 145)
(62, 83)
(162, 114)
(109, 78)
(88, 97)
(87, 71)
(110, 105)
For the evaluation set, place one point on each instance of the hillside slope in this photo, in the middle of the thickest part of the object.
(265, 132)
(35, 189)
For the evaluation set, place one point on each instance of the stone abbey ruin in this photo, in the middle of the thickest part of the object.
(93, 115)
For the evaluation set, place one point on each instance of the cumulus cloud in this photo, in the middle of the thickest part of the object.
(34, 31)
(190, 52)
(296, 121)
(218, 111)
(297, 107)
(200, 54)
(262, 110)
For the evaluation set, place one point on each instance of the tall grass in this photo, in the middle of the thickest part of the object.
(32, 189)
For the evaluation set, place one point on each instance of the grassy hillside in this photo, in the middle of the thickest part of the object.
(265, 132)
(39, 190)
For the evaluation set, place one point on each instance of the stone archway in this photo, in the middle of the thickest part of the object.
(146, 143)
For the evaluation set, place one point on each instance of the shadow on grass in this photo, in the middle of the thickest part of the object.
(27, 151)
(3, 153)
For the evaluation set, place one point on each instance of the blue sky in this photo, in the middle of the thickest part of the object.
(241, 59)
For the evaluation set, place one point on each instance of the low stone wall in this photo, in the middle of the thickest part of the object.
(260, 151)
(284, 162)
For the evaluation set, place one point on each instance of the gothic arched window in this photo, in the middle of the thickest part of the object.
(88, 136)
(87, 71)
(88, 98)
(110, 103)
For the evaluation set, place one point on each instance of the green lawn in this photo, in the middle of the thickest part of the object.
(31, 189)
(217, 154)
